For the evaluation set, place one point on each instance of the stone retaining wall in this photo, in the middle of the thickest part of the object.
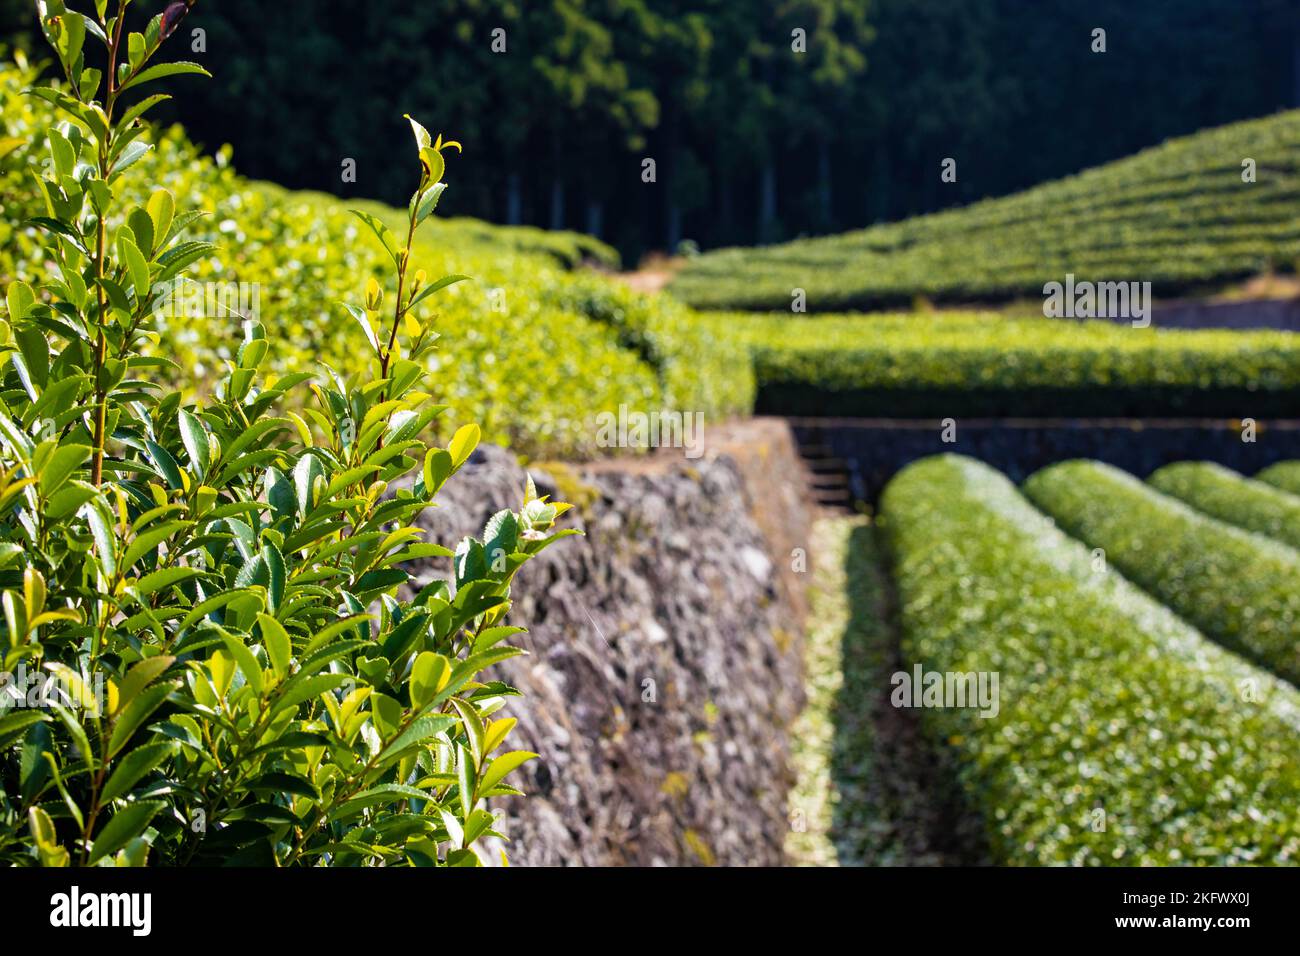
(664, 661)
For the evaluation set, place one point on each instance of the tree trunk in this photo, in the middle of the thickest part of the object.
(673, 229)
(557, 203)
(824, 183)
(672, 149)
(595, 217)
(1295, 61)
(767, 202)
(514, 201)
(727, 210)
(882, 186)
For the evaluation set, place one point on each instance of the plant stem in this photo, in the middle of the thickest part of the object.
(101, 349)
(398, 311)
(101, 234)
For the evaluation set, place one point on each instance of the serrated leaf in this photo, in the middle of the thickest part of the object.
(136, 264)
(276, 575)
(420, 730)
(127, 824)
(429, 674)
(134, 766)
(163, 70)
(501, 766)
(161, 208)
(194, 434)
(436, 287)
(475, 731)
(19, 298)
(275, 639)
(462, 444)
(63, 461)
(135, 714)
(141, 675)
(168, 468)
(247, 662)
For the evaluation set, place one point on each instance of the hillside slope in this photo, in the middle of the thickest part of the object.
(1178, 215)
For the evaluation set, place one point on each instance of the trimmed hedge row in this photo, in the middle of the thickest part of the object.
(1284, 475)
(1238, 587)
(699, 368)
(1122, 735)
(975, 363)
(1224, 494)
(1178, 216)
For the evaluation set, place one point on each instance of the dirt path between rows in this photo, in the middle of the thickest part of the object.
(873, 788)
(648, 281)
(652, 275)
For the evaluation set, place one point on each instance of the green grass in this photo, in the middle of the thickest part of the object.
(1237, 587)
(1124, 736)
(1177, 215)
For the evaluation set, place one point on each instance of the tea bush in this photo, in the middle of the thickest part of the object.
(243, 674)
(983, 363)
(582, 344)
(699, 367)
(1284, 475)
(1123, 735)
(1178, 215)
(1222, 493)
(1237, 587)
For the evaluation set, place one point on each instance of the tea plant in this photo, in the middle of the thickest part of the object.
(1284, 475)
(1181, 215)
(1237, 587)
(919, 365)
(584, 344)
(1125, 736)
(244, 675)
(1222, 493)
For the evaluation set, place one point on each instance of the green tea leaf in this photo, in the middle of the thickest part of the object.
(133, 766)
(163, 70)
(195, 437)
(127, 824)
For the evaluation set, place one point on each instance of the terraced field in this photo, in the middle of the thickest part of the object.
(1178, 215)
(1147, 635)
(1126, 735)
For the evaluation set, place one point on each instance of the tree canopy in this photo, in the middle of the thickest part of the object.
(765, 119)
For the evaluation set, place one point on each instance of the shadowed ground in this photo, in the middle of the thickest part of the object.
(872, 790)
